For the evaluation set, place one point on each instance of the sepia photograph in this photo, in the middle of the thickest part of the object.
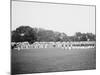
(52, 37)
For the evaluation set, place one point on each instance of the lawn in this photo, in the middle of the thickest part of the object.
(52, 60)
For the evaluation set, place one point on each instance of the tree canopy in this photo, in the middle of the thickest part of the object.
(24, 33)
(29, 34)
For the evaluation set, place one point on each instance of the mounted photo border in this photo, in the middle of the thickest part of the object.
(49, 3)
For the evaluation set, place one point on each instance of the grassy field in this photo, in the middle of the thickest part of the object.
(52, 60)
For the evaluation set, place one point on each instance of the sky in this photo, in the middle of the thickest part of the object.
(57, 17)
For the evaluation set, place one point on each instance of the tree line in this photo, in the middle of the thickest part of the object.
(31, 35)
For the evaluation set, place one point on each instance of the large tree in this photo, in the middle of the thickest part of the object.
(24, 33)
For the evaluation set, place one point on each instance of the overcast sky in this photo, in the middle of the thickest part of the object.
(58, 17)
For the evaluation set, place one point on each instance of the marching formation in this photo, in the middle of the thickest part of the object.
(63, 45)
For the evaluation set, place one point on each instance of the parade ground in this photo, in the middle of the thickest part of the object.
(27, 61)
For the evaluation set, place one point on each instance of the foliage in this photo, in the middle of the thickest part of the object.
(26, 33)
